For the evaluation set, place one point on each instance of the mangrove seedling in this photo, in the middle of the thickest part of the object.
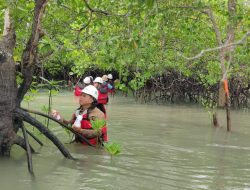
(53, 87)
(97, 125)
(112, 148)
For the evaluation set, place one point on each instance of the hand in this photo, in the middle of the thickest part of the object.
(55, 114)
(77, 129)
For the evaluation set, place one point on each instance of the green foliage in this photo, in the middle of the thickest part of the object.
(19, 79)
(30, 94)
(98, 124)
(139, 40)
(209, 105)
(113, 148)
(45, 108)
(121, 86)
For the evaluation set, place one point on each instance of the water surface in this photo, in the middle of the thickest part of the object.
(163, 147)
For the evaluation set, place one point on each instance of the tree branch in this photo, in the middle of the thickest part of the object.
(29, 119)
(87, 24)
(34, 137)
(21, 142)
(215, 26)
(29, 56)
(232, 21)
(95, 10)
(199, 55)
(61, 124)
(107, 13)
(18, 123)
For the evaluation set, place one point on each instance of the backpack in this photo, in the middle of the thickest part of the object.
(104, 88)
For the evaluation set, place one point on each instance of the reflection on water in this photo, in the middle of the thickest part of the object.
(163, 147)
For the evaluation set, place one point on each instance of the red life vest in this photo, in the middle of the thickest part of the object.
(102, 97)
(86, 124)
(77, 91)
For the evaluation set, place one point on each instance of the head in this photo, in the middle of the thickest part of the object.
(87, 80)
(97, 82)
(110, 76)
(88, 96)
(105, 78)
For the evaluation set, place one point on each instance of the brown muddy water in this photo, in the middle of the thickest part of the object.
(166, 147)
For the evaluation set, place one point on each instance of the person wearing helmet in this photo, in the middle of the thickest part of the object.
(111, 85)
(98, 80)
(89, 111)
(81, 119)
(106, 83)
(86, 81)
(110, 76)
(105, 78)
(81, 85)
(102, 90)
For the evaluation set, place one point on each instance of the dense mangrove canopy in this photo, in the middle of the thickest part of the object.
(152, 46)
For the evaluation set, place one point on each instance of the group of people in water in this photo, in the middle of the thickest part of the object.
(93, 97)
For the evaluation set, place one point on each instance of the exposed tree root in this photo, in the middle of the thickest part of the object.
(29, 119)
(21, 142)
(61, 124)
(28, 150)
(35, 138)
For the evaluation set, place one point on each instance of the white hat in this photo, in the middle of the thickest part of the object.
(91, 90)
(105, 78)
(86, 80)
(98, 80)
(110, 76)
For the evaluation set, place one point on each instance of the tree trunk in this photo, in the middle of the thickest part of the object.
(8, 88)
(225, 54)
(215, 120)
(11, 116)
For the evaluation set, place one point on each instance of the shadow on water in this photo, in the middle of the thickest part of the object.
(163, 147)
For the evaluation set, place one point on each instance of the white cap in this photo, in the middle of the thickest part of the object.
(98, 80)
(110, 76)
(91, 90)
(86, 80)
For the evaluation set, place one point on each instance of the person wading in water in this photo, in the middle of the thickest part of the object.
(88, 111)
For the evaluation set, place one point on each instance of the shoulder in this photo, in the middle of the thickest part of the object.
(97, 114)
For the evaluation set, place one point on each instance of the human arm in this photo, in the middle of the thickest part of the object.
(57, 116)
(89, 132)
(67, 122)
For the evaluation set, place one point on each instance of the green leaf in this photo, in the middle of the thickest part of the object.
(97, 124)
(150, 3)
(113, 148)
